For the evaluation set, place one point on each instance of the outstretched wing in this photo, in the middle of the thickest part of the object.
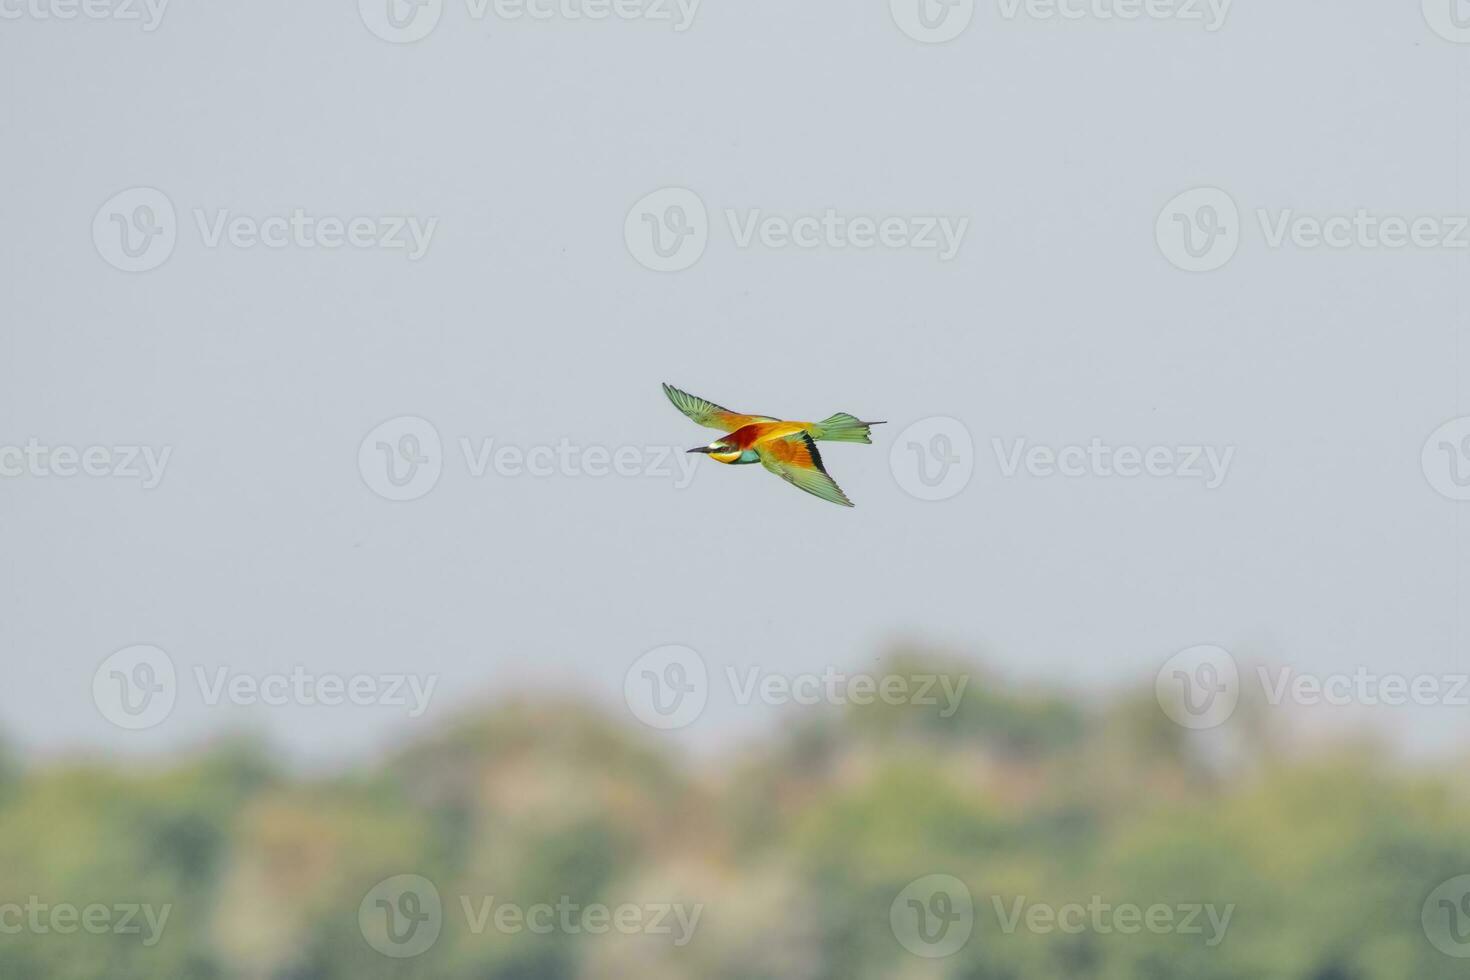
(708, 414)
(795, 459)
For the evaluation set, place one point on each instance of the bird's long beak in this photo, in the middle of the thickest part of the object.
(698, 449)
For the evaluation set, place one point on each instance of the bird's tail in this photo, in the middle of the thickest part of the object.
(843, 428)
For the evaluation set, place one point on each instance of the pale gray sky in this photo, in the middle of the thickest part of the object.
(530, 321)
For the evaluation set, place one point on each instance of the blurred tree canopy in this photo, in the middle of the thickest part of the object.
(794, 847)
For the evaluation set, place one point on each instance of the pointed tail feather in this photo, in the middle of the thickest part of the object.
(843, 428)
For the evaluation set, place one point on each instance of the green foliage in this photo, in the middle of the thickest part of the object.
(795, 848)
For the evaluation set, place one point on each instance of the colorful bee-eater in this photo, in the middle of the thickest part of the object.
(787, 449)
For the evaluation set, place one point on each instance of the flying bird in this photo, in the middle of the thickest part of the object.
(787, 449)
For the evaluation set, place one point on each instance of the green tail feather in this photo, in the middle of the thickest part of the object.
(843, 428)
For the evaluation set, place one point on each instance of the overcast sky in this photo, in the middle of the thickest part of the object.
(1048, 149)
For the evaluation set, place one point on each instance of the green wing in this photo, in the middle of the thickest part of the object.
(795, 459)
(707, 413)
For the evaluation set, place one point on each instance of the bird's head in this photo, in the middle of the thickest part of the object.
(719, 450)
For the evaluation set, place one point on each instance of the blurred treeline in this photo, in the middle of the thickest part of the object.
(795, 845)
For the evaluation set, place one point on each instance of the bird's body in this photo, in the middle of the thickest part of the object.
(786, 448)
(748, 437)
